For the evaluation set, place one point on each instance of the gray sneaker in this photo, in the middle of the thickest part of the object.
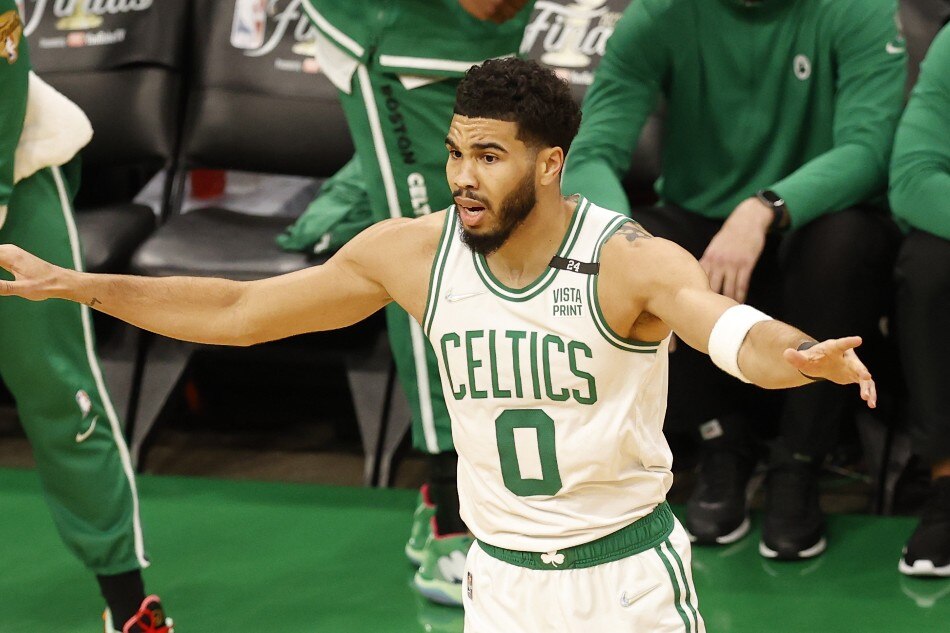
(443, 568)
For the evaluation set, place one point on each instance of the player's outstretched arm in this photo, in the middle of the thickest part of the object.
(768, 354)
(346, 289)
(192, 309)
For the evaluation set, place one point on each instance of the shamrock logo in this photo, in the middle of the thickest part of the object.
(553, 558)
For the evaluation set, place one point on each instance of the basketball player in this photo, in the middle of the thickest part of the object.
(47, 352)
(551, 319)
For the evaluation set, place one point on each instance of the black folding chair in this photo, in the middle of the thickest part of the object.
(261, 108)
(124, 69)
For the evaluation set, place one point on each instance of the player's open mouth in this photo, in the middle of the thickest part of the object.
(470, 211)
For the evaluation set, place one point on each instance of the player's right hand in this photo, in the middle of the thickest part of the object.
(498, 11)
(34, 279)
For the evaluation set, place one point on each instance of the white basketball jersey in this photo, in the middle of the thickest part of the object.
(556, 418)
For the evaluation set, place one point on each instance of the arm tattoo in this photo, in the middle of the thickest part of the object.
(92, 303)
(632, 231)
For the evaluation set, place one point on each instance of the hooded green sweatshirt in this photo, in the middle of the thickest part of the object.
(798, 96)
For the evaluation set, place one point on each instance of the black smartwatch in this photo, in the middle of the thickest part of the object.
(780, 219)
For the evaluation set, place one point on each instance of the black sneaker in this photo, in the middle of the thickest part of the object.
(927, 553)
(794, 526)
(717, 512)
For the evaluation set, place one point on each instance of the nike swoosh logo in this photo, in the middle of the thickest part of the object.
(626, 602)
(451, 298)
(82, 437)
(894, 50)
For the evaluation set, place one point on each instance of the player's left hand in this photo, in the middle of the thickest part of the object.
(836, 361)
(497, 11)
(734, 251)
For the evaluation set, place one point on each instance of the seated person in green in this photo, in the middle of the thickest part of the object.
(396, 65)
(920, 195)
(779, 120)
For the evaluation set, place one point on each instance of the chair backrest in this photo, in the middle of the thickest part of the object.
(258, 100)
(121, 62)
(921, 21)
(570, 37)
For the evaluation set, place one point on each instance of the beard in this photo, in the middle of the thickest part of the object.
(514, 209)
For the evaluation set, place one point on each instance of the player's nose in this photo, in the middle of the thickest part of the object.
(463, 176)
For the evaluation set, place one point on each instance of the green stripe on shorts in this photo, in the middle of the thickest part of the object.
(676, 587)
(689, 596)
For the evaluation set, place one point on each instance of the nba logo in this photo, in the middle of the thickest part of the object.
(250, 20)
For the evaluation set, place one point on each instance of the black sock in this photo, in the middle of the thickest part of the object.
(443, 489)
(124, 594)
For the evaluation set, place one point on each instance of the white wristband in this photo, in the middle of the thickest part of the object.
(728, 334)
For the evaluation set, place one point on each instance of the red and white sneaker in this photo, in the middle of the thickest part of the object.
(150, 618)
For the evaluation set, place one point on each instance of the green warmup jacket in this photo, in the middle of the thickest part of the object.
(920, 167)
(14, 79)
(415, 37)
(798, 96)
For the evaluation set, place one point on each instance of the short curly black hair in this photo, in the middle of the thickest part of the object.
(525, 93)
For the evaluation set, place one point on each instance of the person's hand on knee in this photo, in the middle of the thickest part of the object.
(734, 251)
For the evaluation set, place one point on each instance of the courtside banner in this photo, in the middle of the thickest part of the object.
(103, 34)
(570, 37)
(267, 45)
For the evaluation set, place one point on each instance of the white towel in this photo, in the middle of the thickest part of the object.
(54, 130)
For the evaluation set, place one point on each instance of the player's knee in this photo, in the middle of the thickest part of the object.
(49, 388)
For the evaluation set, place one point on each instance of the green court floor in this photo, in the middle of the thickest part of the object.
(282, 558)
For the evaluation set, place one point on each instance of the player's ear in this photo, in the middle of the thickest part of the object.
(550, 163)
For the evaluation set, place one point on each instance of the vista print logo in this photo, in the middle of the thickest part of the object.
(570, 34)
(78, 14)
